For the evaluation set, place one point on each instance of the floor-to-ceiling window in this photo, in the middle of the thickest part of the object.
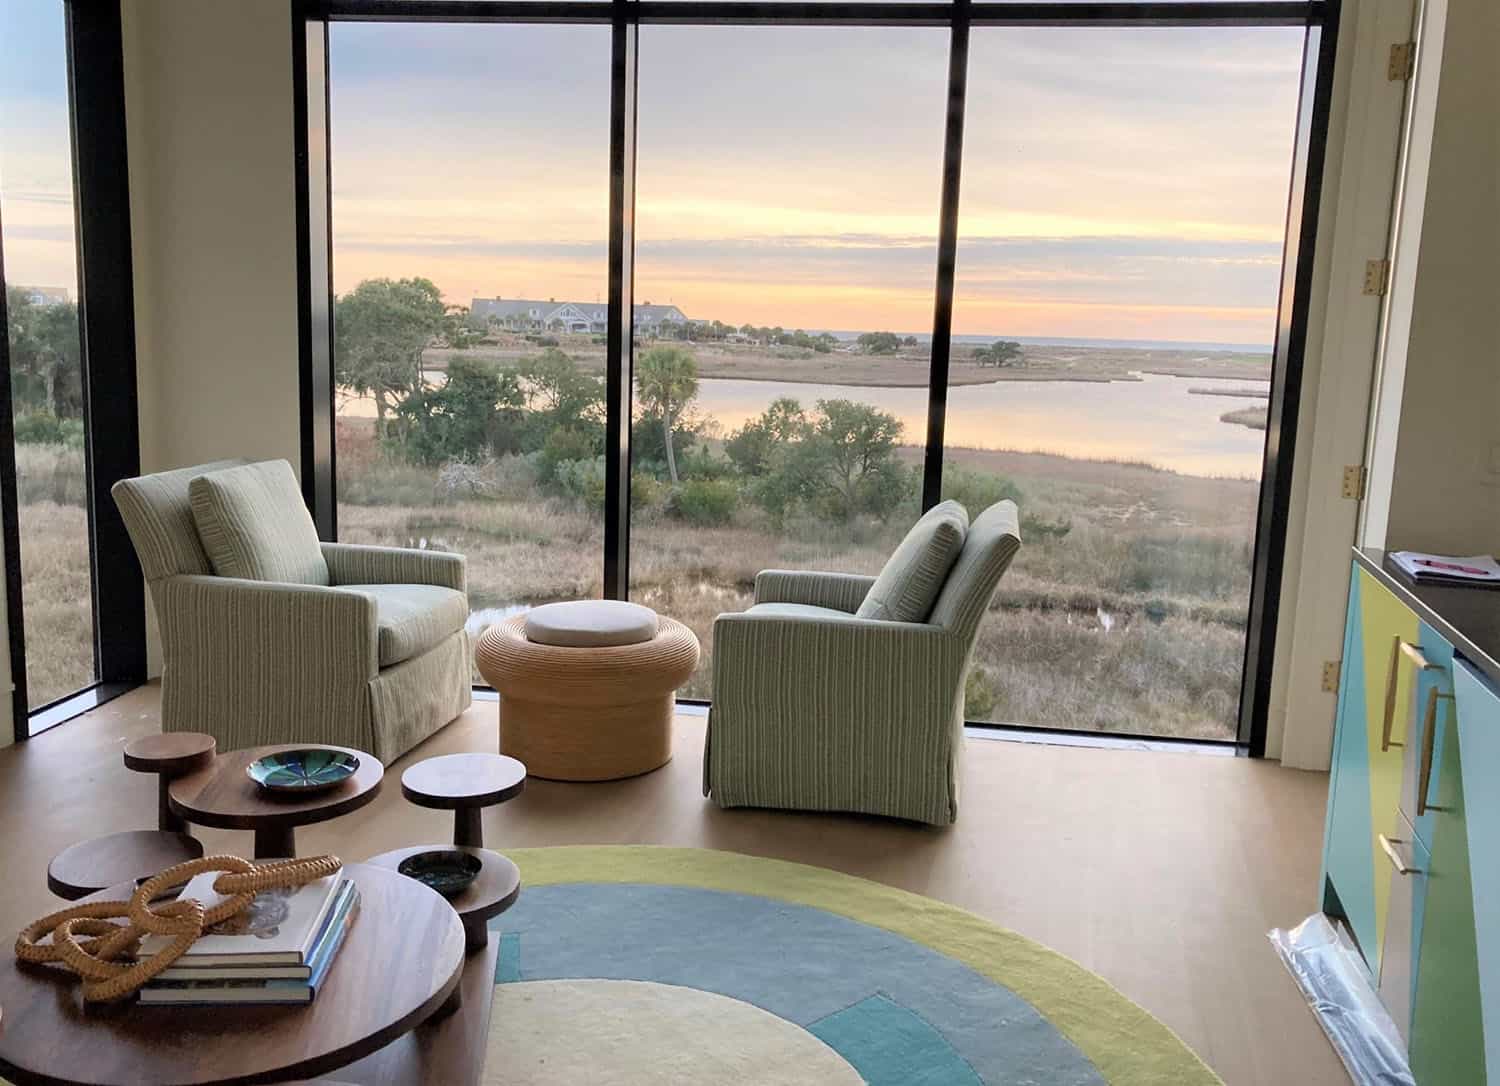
(1119, 260)
(42, 330)
(470, 212)
(787, 186)
(1119, 227)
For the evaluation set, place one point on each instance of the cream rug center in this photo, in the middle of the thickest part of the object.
(628, 1032)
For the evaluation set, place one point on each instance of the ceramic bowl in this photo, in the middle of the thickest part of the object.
(448, 871)
(302, 771)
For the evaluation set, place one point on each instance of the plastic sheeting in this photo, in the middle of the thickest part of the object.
(1332, 976)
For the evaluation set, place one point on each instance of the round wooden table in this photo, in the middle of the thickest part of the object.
(223, 795)
(493, 891)
(400, 963)
(170, 755)
(464, 784)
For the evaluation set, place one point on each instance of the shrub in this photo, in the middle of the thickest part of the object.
(706, 503)
(979, 694)
(564, 445)
(45, 428)
(582, 480)
(646, 491)
(977, 490)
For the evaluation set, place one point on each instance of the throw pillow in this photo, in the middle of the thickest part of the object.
(909, 584)
(254, 525)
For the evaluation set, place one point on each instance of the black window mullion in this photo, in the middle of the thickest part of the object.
(96, 89)
(619, 351)
(947, 256)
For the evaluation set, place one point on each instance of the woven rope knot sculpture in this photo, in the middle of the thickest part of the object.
(106, 957)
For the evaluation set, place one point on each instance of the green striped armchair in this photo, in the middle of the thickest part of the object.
(817, 709)
(361, 647)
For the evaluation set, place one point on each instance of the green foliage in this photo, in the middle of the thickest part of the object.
(565, 445)
(382, 327)
(1003, 352)
(750, 448)
(840, 462)
(666, 380)
(476, 413)
(879, 342)
(42, 428)
(979, 694)
(646, 491)
(46, 371)
(705, 503)
(583, 480)
(977, 490)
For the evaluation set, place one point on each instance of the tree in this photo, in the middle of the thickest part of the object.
(46, 370)
(666, 380)
(476, 411)
(381, 328)
(910, 341)
(1003, 352)
(752, 446)
(879, 342)
(850, 459)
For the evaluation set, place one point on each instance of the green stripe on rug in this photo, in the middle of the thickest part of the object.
(1126, 1044)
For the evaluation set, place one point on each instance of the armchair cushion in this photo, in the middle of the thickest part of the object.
(412, 618)
(797, 610)
(254, 525)
(911, 580)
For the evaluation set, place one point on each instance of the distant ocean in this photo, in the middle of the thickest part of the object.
(1081, 341)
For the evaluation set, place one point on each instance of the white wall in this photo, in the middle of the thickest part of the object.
(208, 97)
(208, 94)
(1445, 485)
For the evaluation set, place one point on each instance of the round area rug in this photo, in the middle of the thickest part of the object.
(633, 965)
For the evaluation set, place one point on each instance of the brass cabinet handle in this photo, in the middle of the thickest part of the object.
(1399, 648)
(1414, 654)
(1389, 848)
(1429, 737)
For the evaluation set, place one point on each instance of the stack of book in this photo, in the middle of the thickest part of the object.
(279, 950)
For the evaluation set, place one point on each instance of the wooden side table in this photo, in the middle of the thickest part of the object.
(464, 784)
(490, 894)
(90, 866)
(223, 795)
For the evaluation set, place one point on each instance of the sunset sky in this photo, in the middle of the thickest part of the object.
(1116, 183)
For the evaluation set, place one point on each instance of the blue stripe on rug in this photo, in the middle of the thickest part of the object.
(890, 1046)
(508, 961)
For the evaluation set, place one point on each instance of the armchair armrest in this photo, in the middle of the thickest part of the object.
(840, 591)
(226, 625)
(353, 563)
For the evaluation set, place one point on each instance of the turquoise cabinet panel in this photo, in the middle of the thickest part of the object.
(1347, 856)
(1447, 1035)
(1477, 708)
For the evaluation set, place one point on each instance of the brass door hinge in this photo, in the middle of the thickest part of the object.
(1355, 477)
(1331, 675)
(1403, 62)
(1377, 276)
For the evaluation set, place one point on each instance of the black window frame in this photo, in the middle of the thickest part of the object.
(1318, 18)
(106, 314)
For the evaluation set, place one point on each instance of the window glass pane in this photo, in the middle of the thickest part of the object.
(470, 217)
(1123, 214)
(787, 205)
(40, 259)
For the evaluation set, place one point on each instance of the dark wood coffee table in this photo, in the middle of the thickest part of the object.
(223, 795)
(464, 784)
(493, 890)
(401, 962)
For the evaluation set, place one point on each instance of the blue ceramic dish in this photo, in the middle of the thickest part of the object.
(302, 771)
(448, 871)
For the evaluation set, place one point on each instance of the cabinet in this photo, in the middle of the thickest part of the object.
(1412, 847)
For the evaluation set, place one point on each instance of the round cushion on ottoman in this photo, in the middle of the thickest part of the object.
(590, 624)
(586, 712)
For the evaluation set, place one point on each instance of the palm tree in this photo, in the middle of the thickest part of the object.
(666, 379)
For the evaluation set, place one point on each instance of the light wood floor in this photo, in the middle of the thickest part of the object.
(1160, 871)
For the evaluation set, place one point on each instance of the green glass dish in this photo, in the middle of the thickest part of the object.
(449, 871)
(303, 771)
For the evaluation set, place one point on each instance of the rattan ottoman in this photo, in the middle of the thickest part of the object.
(593, 713)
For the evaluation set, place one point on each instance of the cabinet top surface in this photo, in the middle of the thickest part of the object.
(1468, 617)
